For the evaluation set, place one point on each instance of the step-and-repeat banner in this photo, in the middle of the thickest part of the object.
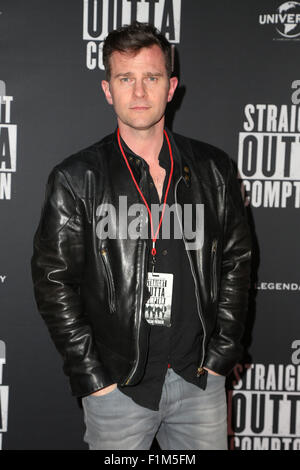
(238, 64)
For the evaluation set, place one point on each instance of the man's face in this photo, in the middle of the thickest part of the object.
(139, 87)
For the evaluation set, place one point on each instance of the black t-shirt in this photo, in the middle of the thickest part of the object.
(180, 343)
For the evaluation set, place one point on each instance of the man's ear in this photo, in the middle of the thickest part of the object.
(106, 91)
(173, 85)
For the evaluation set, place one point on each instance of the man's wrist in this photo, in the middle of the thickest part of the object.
(211, 371)
(104, 390)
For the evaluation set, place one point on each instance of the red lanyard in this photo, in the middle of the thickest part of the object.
(154, 237)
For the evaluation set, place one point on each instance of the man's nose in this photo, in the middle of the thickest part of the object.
(139, 88)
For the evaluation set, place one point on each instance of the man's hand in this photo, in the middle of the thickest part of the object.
(105, 390)
(210, 371)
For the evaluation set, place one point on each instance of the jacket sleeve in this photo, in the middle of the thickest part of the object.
(225, 348)
(57, 266)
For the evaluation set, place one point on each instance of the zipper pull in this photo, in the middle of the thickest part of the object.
(200, 371)
(202, 377)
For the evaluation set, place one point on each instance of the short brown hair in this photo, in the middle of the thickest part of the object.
(132, 38)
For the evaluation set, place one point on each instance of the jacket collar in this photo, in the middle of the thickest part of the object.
(181, 167)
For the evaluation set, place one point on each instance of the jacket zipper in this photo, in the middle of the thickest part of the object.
(110, 282)
(200, 369)
(213, 269)
(132, 372)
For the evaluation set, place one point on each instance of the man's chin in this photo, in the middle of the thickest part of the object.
(142, 125)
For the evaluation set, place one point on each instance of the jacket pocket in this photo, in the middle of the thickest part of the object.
(213, 270)
(109, 280)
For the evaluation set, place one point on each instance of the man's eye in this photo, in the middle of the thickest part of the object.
(126, 80)
(152, 79)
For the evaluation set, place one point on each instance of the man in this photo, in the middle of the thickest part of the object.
(148, 325)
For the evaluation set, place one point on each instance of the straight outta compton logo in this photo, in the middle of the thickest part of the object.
(264, 406)
(8, 144)
(102, 16)
(269, 153)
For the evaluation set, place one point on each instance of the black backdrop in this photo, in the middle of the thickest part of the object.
(239, 79)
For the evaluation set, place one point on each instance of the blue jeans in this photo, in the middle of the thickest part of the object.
(188, 418)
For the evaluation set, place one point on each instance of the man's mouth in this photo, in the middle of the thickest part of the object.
(140, 108)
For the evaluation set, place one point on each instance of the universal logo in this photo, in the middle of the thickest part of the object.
(286, 21)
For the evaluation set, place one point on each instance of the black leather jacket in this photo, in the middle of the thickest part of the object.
(91, 291)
